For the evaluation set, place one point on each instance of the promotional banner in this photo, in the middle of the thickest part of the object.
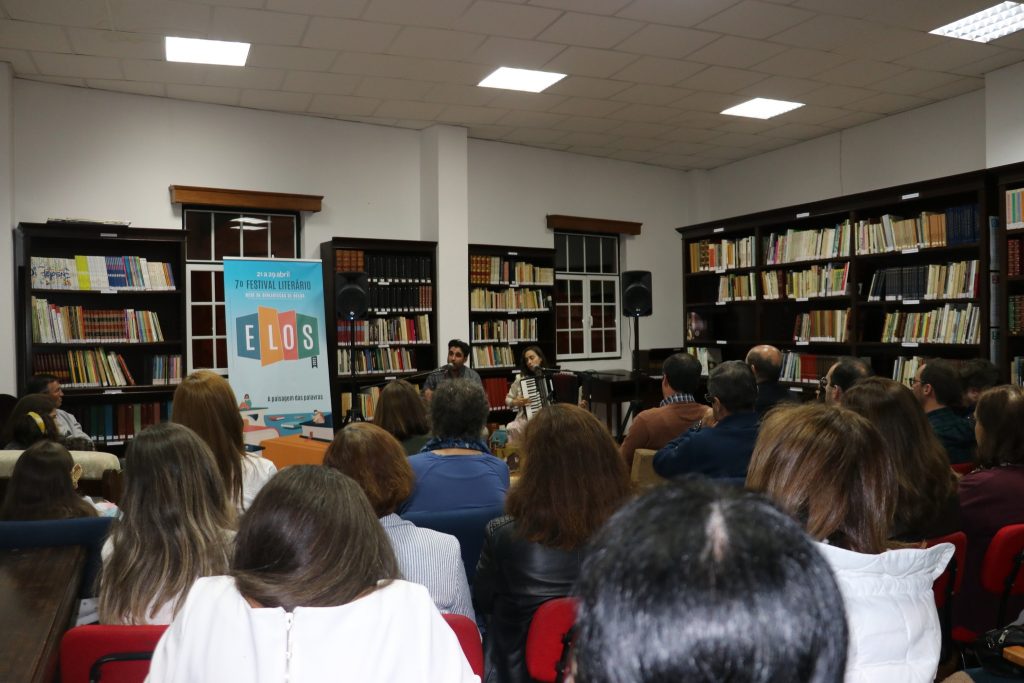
(277, 346)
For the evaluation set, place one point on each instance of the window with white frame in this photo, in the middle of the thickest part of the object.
(586, 296)
(212, 235)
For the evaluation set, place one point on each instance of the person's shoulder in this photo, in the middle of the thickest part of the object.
(259, 463)
(500, 525)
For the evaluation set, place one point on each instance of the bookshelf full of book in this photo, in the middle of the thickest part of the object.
(398, 336)
(102, 308)
(1008, 281)
(880, 275)
(510, 309)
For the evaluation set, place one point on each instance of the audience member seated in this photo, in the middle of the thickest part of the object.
(67, 424)
(31, 420)
(378, 464)
(766, 362)
(677, 412)
(205, 403)
(42, 486)
(402, 412)
(927, 504)
(573, 479)
(721, 451)
(976, 375)
(314, 595)
(176, 525)
(842, 375)
(991, 497)
(531, 363)
(937, 388)
(455, 470)
(699, 583)
(829, 469)
(456, 368)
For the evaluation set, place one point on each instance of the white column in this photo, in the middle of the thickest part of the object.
(8, 379)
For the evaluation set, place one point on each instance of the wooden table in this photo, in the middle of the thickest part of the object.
(38, 600)
(615, 387)
(1015, 654)
(294, 450)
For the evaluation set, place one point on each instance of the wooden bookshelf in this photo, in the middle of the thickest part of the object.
(1007, 273)
(102, 307)
(892, 273)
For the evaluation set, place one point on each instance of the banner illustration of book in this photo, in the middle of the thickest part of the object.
(277, 346)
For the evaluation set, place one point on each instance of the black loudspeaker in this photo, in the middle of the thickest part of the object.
(636, 293)
(350, 295)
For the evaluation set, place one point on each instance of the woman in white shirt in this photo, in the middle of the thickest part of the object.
(313, 595)
(176, 525)
(205, 403)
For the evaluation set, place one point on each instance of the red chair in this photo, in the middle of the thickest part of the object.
(1000, 574)
(469, 639)
(963, 467)
(113, 654)
(948, 584)
(549, 638)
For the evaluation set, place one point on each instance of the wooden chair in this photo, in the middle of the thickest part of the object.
(111, 654)
(549, 638)
(643, 474)
(469, 638)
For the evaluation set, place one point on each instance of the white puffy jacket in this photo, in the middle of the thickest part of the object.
(890, 610)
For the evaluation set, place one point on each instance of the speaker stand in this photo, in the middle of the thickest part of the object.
(354, 413)
(636, 404)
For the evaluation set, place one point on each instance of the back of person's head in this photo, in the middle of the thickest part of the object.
(42, 486)
(205, 403)
(401, 411)
(696, 583)
(310, 539)
(459, 409)
(682, 372)
(766, 361)
(977, 375)
(573, 478)
(827, 467)
(376, 461)
(733, 384)
(174, 526)
(31, 420)
(922, 469)
(849, 369)
(999, 416)
(945, 381)
(39, 384)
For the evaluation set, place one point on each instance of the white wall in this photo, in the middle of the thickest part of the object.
(8, 382)
(1004, 102)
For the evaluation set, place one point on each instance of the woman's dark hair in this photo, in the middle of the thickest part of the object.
(522, 359)
(376, 461)
(925, 481)
(41, 488)
(310, 539)
(459, 409)
(573, 478)
(697, 583)
(401, 411)
(1000, 414)
(30, 421)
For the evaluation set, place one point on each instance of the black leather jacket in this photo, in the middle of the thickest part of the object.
(513, 578)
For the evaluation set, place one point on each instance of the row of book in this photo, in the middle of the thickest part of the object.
(1015, 209)
(955, 225)
(388, 267)
(951, 324)
(821, 326)
(399, 330)
(498, 270)
(1013, 257)
(737, 287)
(365, 399)
(99, 368)
(377, 361)
(1015, 314)
(400, 297)
(1017, 370)
(493, 356)
(496, 389)
(711, 255)
(905, 368)
(512, 330)
(816, 281)
(957, 280)
(708, 357)
(115, 423)
(99, 273)
(805, 368)
(508, 300)
(808, 245)
(53, 324)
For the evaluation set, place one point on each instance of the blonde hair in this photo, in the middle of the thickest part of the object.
(174, 528)
(205, 403)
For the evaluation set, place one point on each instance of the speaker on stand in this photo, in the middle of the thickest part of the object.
(351, 302)
(636, 303)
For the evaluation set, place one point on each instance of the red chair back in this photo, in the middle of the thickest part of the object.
(83, 648)
(545, 641)
(943, 588)
(469, 639)
(963, 467)
(1000, 570)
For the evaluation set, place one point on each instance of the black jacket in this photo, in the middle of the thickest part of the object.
(769, 394)
(513, 578)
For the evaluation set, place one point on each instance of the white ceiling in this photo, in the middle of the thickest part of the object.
(646, 78)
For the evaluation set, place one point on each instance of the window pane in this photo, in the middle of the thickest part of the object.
(575, 264)
(255, 238)
(597, 341)
(610, 341)
(201, 287)
(576, 341)
(596, 293)
(575, 290)
(561, 253)
(561, 317)
(609, 291)
(562, 343)
(576, 317)
(609, 255)
(197, 247)
(282, 236)
(597, 316)
(202, 353)
(222, 353)
(592, 254)
(226, 237)
(218, 312)
(202, 320)
(609, 316)
(561, 291)
(218, 286)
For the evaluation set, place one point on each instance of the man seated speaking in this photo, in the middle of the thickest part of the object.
(722, 451)
(458, 354)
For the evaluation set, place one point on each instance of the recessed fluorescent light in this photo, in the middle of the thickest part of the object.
(762, 108)
(520, 79)
(986, 25)
(198, 51)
